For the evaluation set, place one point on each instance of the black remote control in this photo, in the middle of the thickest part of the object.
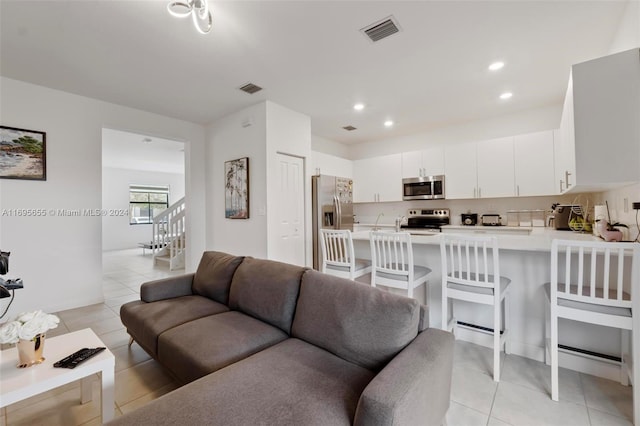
(73, 360)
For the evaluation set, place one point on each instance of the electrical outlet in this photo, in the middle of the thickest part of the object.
(636, 205)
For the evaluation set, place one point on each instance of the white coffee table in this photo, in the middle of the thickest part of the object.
(17, 384)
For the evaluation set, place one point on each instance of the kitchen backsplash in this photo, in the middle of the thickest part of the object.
(368, 212)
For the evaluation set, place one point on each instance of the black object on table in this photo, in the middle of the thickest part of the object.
(78, 357)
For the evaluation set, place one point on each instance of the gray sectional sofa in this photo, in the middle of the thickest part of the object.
(258, 342)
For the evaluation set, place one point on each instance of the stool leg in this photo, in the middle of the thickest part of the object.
(554, 354)
(624, 354)
(445, 305)
(507, 325)
(547, 326)
(635, 379)
(496, 340)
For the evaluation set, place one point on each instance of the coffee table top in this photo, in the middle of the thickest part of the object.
(19, 383)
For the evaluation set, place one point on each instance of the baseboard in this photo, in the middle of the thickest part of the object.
(570, 361)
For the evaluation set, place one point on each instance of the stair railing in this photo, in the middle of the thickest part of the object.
(162, 228)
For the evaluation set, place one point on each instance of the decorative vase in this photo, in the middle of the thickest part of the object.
(30, 351)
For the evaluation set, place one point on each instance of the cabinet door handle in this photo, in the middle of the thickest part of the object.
(566, 178)
(474, 192)
(518, 190)
(479, 192)
(561, 185)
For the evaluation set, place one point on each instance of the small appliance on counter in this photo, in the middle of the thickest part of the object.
(469, 219)
(562, 216)
(491, 220)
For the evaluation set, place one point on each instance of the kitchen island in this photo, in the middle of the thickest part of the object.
(525, 259)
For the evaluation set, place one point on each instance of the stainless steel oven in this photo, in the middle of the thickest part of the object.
(423, 188)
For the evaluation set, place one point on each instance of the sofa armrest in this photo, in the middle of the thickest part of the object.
(167, 288)
(414, 388)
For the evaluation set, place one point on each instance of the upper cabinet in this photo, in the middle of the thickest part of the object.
(377, 179)
(495, 168)
(533, 164)
(331, 165)
(461, 171)
(600, 129)
(427, 162)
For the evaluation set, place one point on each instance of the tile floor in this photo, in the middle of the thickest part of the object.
(521, 397)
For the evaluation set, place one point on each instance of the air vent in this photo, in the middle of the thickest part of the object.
(349, 128)
(381, 29)
(250, 88)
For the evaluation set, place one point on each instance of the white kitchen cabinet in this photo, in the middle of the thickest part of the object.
(377, 179)
(461, 177)
(599, 128)
(495, 168)
(331, 165)
(533, 164)
(427, 162)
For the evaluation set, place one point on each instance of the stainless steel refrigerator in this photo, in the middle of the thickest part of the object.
(332, 208)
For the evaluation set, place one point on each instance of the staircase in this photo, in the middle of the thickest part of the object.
(168, 238)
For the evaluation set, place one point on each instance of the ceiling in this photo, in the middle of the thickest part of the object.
(124, 150)
(310, 56)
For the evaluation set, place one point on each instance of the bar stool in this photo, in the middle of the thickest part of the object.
(392, 262)
(591, 289)
(338, 255)
(471, 272)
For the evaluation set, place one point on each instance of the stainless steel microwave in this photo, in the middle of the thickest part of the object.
(423, 188)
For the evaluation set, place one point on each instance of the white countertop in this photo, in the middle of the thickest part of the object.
(539, 239)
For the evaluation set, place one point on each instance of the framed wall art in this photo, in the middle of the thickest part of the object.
(236, 193)
(23, 154)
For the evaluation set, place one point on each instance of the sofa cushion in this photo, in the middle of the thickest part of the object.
(291, 383)
(202, 346)
(266, 290)
(214, 274)
(364, 325)
(145, 321)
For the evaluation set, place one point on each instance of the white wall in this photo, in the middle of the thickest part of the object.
(274, 129)
(628, 34)
(229, 140)
(60, 258)
(288, 132)
(620, 200)
(117, 233)
(328, 146)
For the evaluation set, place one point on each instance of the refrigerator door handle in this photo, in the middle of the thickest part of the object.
(336, 202)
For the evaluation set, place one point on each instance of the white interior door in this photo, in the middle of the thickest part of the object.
(290, 247)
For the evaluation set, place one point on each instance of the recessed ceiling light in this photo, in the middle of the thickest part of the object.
(147, 140)
(506, 95)
(358, 106)
(496, 66)
(388, 123)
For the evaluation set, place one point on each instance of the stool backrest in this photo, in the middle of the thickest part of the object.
(470, 260)
(337, 248)
(391, 253)
(594, 271)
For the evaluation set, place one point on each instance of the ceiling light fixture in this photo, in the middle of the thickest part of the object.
(147, 140)
(199, 9)
(388, 123)
(358, 106)
(496, 66)
(506, 95)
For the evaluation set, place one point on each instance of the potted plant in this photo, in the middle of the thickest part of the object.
(28, 331)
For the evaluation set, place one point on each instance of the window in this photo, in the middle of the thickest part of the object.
(146, 201)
